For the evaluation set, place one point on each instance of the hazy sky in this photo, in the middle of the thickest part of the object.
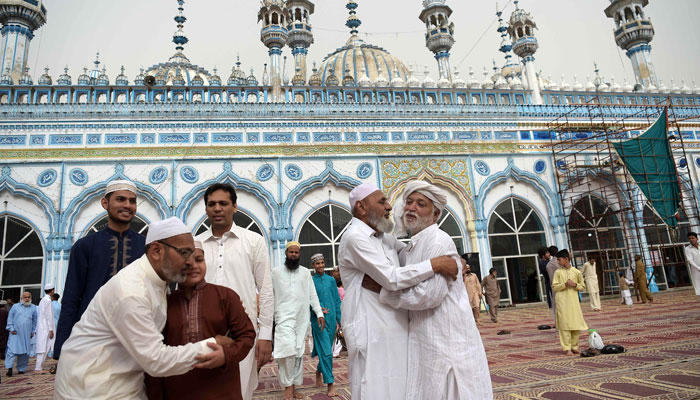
(572, 35)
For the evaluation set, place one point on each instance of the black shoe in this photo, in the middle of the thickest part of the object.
(9, 372)
(21, 372)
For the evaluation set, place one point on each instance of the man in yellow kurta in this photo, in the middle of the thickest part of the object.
(567, 282)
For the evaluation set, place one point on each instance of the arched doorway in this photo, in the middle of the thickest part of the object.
(21, 259)
(515, 232)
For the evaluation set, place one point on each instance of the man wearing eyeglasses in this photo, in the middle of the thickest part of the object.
(119, 336)
(96, 258)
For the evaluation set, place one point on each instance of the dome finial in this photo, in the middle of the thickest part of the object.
(179, 37)
(353, 22)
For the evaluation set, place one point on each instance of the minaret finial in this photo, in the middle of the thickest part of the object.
(353, 22)
(179, 37)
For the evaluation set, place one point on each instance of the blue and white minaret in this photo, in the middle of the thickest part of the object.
(439, 37)
(510, 69)
(179, 37)
(522, 34)
(274, 35)
(300, 35)
(633, 33)
(19, 20)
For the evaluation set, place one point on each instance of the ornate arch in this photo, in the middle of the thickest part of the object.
(33, 194)
(327, 175)
(96, 190)
(228, 176)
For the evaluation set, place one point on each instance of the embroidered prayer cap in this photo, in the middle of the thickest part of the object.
(198, 245)
(3, 302)
(292, 243)
(120, 185)
(166, 228)
(360, 192)
(317, 257)
(434, 193)
(49, 286)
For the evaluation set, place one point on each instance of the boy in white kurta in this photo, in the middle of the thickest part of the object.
(692, 254)
(446, 358)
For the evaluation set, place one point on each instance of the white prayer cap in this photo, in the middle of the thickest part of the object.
(434, 193)
(49, 286)
(317, 257)
(120, 185)
(3, 302)
(166, 228)
(198, 245)
(360, 192)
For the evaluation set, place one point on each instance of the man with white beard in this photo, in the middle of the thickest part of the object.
(446, 358)
(377, 334)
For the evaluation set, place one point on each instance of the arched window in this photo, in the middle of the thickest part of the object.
(321, 233)
(240, 218)
(21, 259)
(629, 15)
(594, 225)
(138, 225)
(515, 233)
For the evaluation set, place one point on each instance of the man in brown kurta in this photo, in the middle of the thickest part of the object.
(196, 311)
(492, 290)
(471, 282)
(640, 280)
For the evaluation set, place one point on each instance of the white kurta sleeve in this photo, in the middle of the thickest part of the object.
(263, 282)
(373, 262)
(46, 313)
(132, 324)
(692, 258)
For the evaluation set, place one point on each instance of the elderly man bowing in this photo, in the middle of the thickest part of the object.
(377, 334)
(118, 338)
(446, 358)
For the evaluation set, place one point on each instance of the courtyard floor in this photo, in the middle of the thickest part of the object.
(662, 360)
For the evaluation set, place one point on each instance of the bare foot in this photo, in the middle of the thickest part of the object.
(575, 351)
(289, 393)
(569, 353)
(331, 391)
(319, 380)
(298, 395)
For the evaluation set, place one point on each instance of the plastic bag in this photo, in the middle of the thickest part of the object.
(337, 347)
(594, 340)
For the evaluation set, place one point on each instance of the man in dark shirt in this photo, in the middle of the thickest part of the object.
(543, 254)
(96, 258)
(4, 311)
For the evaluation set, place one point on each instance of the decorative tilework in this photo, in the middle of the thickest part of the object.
(189, 174)
(456, 171)
(47, 177)
(326, 137)
(364, 170)
(277, 137)
(68, 139)
(374, 136)
(525, 135)
(148, 138)
(174, 138)
(121, 138)
(265, 172)
(420, 136)
(465, 135)
(201, 137)
(37, 140)
(158, 175)
(697, 162)
(303, 137)
(482, 168)
(683, 163)
(486, 135)
(253, 137)
(78, 176)
(94, 139)
(13, 140)
(542, 135)
(233, 137)
(293, 172)
(540, 166)
(350, 137)
(506, 135)
(397, 136)
(444, 136)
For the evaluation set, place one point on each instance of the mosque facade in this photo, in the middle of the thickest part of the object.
(294, 146)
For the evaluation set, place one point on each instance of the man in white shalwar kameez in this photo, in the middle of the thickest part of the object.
(294, 293)
(692, 254)
(44, 328)
(446, 358)
(377, 334)
(118, 338)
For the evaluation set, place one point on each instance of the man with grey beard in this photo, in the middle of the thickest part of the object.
(118, 338)
(377, 334)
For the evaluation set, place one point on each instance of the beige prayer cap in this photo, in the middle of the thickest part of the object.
(361, 192)
(166, 228)
(120, 185)
(317, 257)
(292, 243)
(198, 245)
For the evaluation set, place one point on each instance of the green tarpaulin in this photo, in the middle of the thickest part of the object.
(650, 161)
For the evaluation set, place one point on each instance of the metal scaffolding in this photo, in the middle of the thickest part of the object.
(608, 216)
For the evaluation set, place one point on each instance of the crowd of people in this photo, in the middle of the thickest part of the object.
(408, 323)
